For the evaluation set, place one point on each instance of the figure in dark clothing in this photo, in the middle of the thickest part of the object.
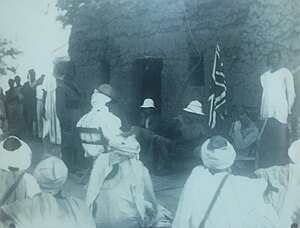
(148, 127)
(68, 112)
(13, 109)
(29, 103)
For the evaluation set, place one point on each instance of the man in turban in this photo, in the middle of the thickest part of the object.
(235, 201)
(285, 182)
(15, 183)
(50, 208)
(119, 190)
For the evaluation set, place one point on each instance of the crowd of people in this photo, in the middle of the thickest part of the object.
(21, 107)
(119, 191)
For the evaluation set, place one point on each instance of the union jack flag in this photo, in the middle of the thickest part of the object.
(218, 91)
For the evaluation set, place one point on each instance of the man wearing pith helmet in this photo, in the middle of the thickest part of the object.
(184, 135)
(149, 126)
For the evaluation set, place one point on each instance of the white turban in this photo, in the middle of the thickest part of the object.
(294, 152)
(217, 158)
(19, 158)
(51, 174)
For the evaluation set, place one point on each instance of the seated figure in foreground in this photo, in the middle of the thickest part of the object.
(119, 191)
(15, 182)
(50, 208)
(285, 182)
(236, 201)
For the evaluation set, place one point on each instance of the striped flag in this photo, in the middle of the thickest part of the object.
(218, 91)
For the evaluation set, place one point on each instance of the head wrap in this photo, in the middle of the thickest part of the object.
(294, 152)
(51, 174)
(217, 153)
(14, 153)
(99, 100)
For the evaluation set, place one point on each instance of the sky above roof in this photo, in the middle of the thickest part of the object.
(32, 27)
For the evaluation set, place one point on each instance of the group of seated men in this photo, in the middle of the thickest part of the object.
(120, 192)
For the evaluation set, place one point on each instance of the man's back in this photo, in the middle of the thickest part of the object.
(45, 210)
(239, 204)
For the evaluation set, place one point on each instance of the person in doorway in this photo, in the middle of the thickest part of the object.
(28, 92)
(214, 198)
(50, 208)
(149, 126)
(13, 107)
(276, 104)
(68, 112)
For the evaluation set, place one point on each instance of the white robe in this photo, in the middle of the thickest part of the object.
(278, 94)
(240, 203)
(27, 188)
(44, 210)
(96, 118)
(286, 200)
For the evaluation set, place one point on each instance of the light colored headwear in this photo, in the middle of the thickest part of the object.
(51, 174)
(194, 107)
(19, 158)
(217, 153)
(294, 152)
(148, 103)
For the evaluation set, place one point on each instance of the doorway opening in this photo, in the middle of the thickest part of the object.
(104, 74)
(150, 78)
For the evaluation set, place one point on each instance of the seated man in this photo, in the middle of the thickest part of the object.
(235, 201)
(99, 117)
(149, 125)
(285, 182)
(244, 134)
(119, 183)
(120, 190)
(50, 208)
(185, 134)
(15, 183)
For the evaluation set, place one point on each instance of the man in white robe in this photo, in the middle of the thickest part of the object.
(119, 191)
(15, 160)
(50, 208)
(239, 203)
(285, 182)
(276, 104)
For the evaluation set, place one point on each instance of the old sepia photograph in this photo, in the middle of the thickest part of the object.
(149, 113)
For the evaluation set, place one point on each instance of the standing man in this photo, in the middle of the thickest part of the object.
(13, 108)
(39, 106)
(277, 101)
(29, 103)
(68, 112)
(294, 125)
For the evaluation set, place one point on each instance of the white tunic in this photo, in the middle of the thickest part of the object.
(278, 94)
(239, 204)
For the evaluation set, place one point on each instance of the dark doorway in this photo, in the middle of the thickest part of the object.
(150, 76)
(104, 73)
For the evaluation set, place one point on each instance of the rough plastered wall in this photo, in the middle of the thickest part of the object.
(123, 31)
(270, 24)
